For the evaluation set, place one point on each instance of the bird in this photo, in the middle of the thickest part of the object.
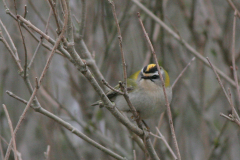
(145, 91)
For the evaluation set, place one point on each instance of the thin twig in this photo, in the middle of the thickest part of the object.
(219, 80)
(11, 52)
(227, 117)
(159, 125)
(10, 39)
(164, 89)
(180, 75)
(23, 41)
(45, 36)
(234, 112)
(40, 40)
(53, 6)
(166, 143)
(221, 84)
(134, 155)
(47, 153)
(233, 55)
(110, 87)
(234, 8)
(16, 97)
(12, 133)
(83, 18)
(25, 11)
(1, 149)
(120, 42)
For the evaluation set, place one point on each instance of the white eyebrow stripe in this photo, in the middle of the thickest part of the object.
(156, 73)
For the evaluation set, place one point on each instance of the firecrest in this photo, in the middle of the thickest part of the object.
(145, 92)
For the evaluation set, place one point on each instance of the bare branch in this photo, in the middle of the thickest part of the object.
(166, 143)
(120, 42)
(83, 18)
(233, 55)
(164, 89)
(40, 41)
(17, 61)
(110, 87)
(46, 154)
(234, 8)
(123, 86)
(12, 133)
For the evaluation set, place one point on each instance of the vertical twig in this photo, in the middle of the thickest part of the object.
(47, 153)
(12, 133)
(83, 18)
(1, 149)
(53, 6)
(164, 89)
(23, 41)
(146, 139)
(124, 85)
(134, 155)
(233, 55)
(25, 11)
(120, 42)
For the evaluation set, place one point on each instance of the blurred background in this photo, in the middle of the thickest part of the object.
(197, 97)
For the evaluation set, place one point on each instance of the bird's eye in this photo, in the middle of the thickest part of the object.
(155, 76)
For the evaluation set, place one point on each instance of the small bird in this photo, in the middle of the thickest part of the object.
(145, 92)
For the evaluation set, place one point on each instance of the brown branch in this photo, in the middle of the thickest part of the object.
(83, 18)
(110, 87)
(219, 80)
(233, 55)
(234, 112)
(25, 11)
(123, 86)
(12, 133)
(53, 6)
(10, 51)
(120, 42)
(166, 143)
(40, 40)
(234, 8)
(46, 154)
(164, 89)
(23, 41)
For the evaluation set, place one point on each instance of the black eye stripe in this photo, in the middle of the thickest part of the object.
(155, 77)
